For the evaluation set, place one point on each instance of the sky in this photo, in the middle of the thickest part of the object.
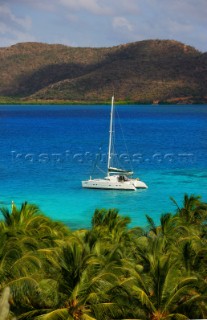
(103, 23)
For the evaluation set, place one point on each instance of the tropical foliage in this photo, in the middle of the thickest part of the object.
(109, 271)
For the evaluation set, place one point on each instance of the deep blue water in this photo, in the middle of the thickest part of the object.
(45, 152)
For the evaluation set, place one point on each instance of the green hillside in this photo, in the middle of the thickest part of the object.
(153, 71)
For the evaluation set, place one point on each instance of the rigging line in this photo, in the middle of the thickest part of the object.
(97, 158)
(125, 144)
(115, 161)
(113, 142)
(101, 169)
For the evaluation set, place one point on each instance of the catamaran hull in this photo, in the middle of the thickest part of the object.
(139, 184)
(114, 182)
(102, 184)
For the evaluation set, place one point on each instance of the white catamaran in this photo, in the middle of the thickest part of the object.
(116, 178)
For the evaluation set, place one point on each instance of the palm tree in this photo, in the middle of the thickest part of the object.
(165, 285)
(17, 268)
(110, 219)
(160, 289)
(30, 220)
(108, 272)
(27, 245)
(110, 228)
(83, 287)
(193, 210)
(191, 243)
(167, 229)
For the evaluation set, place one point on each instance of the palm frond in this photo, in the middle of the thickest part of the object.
(59, 314)
(143, 298)
(176, 316)
(181, 290)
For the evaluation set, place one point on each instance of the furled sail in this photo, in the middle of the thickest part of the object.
(121, 171)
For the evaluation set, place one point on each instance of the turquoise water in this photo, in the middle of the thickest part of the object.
(45, 152)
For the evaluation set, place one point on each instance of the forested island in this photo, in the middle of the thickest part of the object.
(144, 72)
(109, 271)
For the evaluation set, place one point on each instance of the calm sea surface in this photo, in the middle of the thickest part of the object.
(45, 152)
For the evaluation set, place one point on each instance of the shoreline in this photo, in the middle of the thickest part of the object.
(103, 102)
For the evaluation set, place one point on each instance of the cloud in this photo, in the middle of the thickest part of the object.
(45, 5)
(92, 6)
(14, 28)
(182, 10)
(178, 27)
(182, 20)
(122, 23)
(3, 28)
(104, 22)
(131, 7)
(9, 36)
(6, 15)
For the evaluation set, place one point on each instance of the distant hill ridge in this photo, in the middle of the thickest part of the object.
(151, 71)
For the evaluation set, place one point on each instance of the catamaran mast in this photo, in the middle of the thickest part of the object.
(110, 132)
